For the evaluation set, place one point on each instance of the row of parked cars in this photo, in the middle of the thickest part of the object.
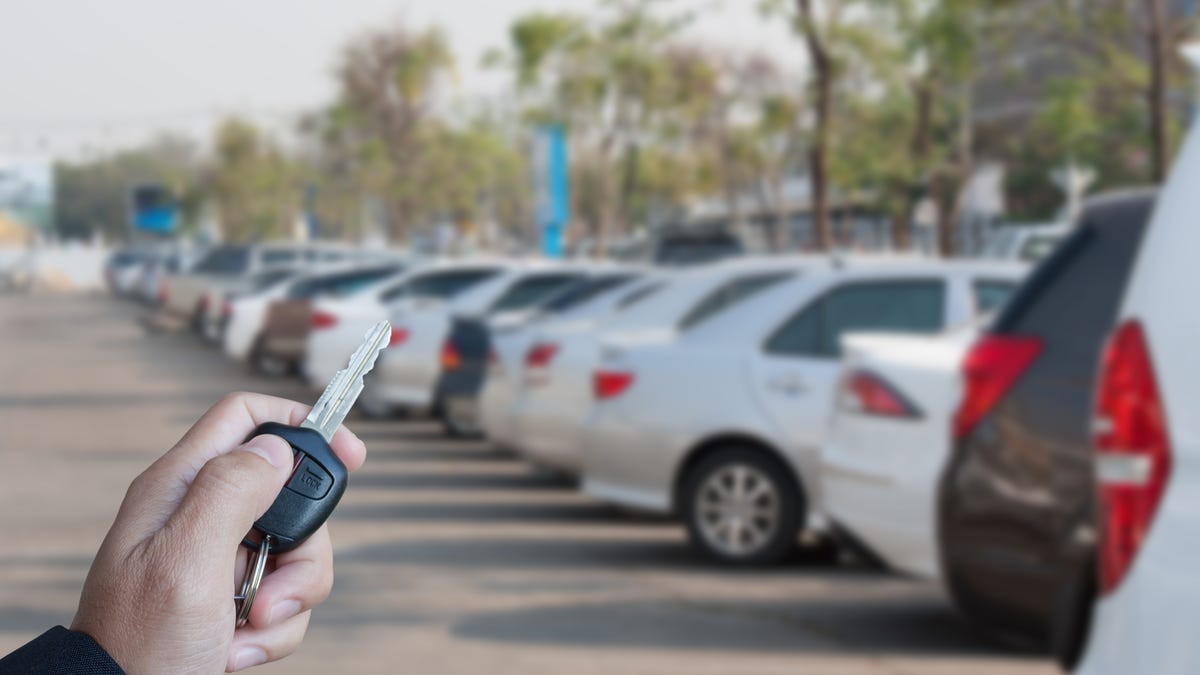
(943, 419)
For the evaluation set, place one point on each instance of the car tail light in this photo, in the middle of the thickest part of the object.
(608, 384)
(321, 319)
(450, 358)
(868, 393)
(991, 368)
(163, 294)
(202, 304)
(1133, 451)
(399, 337)
(227, 309)
(537, 360)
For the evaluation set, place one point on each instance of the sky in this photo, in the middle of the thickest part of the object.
(84, 77)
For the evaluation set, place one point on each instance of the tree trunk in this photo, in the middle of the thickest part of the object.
(783, 223)
(1157, 91)
(902, 229)
(822, 65)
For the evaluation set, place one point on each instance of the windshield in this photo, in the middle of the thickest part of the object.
(225, 260)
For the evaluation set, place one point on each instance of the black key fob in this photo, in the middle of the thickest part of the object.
(314, 489)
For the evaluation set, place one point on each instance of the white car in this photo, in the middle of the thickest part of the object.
(557, 393)
(514, 366)
(1147, 439)
(889, 440)
(721, 423)
(245, 312)
(407, 372)
(338, 324)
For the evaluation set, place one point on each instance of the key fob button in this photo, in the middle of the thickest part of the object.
(310, 480)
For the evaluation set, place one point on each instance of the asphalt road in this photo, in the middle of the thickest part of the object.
(450, 558)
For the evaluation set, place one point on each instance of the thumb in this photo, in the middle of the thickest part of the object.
(231, 491)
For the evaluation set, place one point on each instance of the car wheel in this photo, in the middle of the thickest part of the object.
(264, 364)
(742, 507)
(456, 427)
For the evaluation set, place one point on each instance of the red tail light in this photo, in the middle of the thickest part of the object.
(540, 355)
(991, 368)
(1133, 451)
(227, 309)
(320, 319)
(399, 337)
(610, 383)
(450, 358)
(537, 360)
(868, 393)
(202, 305)
(163, 294)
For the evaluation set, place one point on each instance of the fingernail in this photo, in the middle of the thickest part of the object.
(248, 657)
(282, 611)
(274, 450)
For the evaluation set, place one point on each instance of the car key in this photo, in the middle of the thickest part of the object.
(318, 478)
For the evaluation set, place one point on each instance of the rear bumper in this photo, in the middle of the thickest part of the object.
(628, 466)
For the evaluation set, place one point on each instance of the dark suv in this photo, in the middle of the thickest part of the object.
(1015, 509)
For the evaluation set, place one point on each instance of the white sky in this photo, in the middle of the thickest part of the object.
(85, 76)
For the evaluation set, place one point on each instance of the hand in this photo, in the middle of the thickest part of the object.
(159, 596)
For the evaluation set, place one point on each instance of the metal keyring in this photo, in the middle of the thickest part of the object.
(254, 575)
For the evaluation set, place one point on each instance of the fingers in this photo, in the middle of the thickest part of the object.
(302, 579)
(254, 646)
(158, 491)
(229, 493)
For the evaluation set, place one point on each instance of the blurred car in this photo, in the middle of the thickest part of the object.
(407, 372)
(534, 361)
(1015, 507)
(1147, 445)
(123, 269)
(280, 346)
(199, 294)
(490, 344)
(721, 424)
(1027, 243)
(338, 324)
(243, 312)
(680, 246)
(151, 284)
(556, 395)
(889, 439)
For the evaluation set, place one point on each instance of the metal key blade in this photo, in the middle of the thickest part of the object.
(343, 390)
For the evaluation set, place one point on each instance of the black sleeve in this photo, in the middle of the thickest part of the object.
(59, 651)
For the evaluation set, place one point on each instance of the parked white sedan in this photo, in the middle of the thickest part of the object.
(557, 393)
(889, 440)
(1147, 440)
(722, 422)
(407, 372)
(338, 324)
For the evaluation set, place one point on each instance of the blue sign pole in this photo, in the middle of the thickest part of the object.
(554, 211)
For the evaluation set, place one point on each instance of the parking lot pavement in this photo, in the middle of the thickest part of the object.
(450, 558)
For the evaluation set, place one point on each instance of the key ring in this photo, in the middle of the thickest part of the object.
(254, 575)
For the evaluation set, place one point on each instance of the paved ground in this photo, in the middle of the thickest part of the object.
(450, 557)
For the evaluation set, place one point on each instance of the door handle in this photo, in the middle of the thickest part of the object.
(789, 384)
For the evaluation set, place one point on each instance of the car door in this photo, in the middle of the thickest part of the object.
(796, 370)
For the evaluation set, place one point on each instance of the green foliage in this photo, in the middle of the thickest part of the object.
(253, 184)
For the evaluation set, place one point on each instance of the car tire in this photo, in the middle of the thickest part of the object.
(265, 364)
(456, 428)
(742, 507)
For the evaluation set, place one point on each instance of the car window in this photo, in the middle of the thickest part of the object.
(583, 291)
(339, 284)
(531, 290)
(263, 280)
(443, 285)
(637, 295)
(225, 260)
(280, 256)
(893, 306)
(729, 294)
(694, 251)
(990, 296)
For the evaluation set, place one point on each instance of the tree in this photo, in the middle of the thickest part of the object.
(93, 196)
(389, 81)
(253, 183)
